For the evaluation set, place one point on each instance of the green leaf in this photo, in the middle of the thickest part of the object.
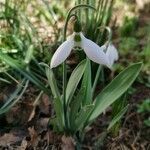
(115, 89)
(58, 106)
(4, 80)
(86, 83)
(75, 105)
(29, 54)
(117, 117)
(74, 79)
(52, 82)
(83, 116)
(14, 98)
(28, 74)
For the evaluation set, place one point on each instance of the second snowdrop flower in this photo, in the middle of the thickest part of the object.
(111, 53)
(77, 39)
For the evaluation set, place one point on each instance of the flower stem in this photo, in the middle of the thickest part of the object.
(96, 79)
(66, 118)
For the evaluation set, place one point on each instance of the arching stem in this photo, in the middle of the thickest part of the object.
(69, 15)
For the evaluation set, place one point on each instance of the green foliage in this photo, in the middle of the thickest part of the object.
(129, 26)
(15, 97)
(117, 118)
(74, 80)
(115, 89)
(119, 108)
(21, 68)
(128, 45)
(23, 50)
(144, 108)
(87, 84)
(134, 43)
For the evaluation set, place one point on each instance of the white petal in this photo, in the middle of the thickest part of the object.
(112, 54)
(93, 51)
(62, 53)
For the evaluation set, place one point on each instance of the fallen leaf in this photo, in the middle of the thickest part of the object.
(34, 137)
(45, 105)
(68, 143)
(24, 144)
(42, 124)
(9, 138)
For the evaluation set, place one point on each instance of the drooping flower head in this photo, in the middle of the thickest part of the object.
(91, 49)
(111, 53)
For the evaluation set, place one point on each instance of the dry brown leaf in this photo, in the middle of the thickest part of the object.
(42, 124)
(24, 144)
(34, 136)
(9, 138)
(45, 104)
(68, 143)
(32, 114)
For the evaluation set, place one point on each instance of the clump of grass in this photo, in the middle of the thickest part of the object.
(129, 26)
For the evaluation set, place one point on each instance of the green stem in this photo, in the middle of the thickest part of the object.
(96, 79)
(66, 118)
(108, 30)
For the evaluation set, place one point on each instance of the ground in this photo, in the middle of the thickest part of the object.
(25, 126)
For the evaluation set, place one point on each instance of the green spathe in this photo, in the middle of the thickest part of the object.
(77, 26)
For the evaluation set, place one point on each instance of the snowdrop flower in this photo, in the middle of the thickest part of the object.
(111, 53)
(77, 39)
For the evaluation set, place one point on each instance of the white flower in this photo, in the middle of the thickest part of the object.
(111, 53)
(91, 49)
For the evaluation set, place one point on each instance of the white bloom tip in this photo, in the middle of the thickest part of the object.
(62, 53)
(93, 51)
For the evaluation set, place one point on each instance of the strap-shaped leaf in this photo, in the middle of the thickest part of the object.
(115, 89)
(52, 82)
(74, 79)
(29, 75)
(86, 83)
(5, 80)
(82, 116)
(58, 106)
(29, 54)
(117, 117)
(15, 97)
(75, 106)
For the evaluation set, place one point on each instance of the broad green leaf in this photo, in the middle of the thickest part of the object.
(14, 98)
(86, 83)
(115, 89)
(117, 117)
(74, 79)
(82, 116)
(16, 65)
